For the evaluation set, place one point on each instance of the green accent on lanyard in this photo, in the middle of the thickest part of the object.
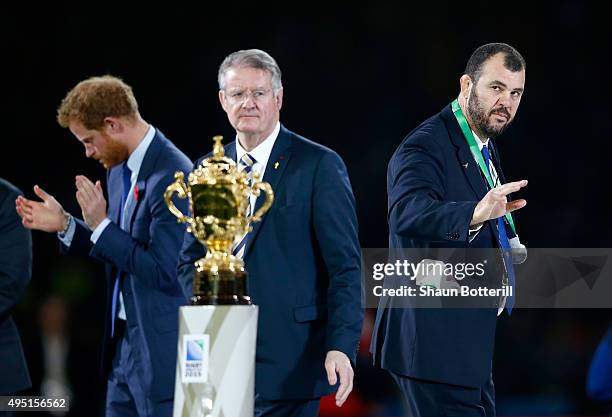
(471, 141)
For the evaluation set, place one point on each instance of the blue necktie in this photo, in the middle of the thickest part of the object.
(504, 243)
(127, 184)
(246, 164)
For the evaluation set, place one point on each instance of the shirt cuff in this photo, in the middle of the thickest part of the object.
(66, 238)
(473, 231)
(95, 235)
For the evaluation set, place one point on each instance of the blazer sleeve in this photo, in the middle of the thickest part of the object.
(153, 262)
(416, 188)
(81, 244)
(335, 227)
(15, 254)
(191, 251)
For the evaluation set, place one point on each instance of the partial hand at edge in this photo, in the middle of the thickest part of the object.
(337, 362)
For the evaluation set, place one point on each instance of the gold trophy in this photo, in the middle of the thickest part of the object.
(219, 199)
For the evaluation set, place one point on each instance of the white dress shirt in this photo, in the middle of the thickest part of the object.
(261, 153)
(515, 241)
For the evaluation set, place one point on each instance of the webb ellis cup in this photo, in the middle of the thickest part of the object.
(219, 202)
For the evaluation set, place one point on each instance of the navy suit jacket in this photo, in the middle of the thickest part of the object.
(432, 196)
(148, 253)
(15, 272)
(599, 378)
(304, 265)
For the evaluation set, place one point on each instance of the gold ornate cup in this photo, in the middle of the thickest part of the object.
(218, 200)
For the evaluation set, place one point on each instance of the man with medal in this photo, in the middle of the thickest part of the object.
(446, 189)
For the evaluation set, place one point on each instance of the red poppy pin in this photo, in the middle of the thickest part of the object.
(136, 192)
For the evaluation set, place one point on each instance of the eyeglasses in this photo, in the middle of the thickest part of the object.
(238, 96)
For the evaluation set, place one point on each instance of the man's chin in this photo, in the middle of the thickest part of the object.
(496, 129)
(109, 164)
(247, 128)
(494, 132)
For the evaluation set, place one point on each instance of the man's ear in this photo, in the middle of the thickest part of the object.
(466, 85)
(278, 98)
(222, 100)
(113, 126)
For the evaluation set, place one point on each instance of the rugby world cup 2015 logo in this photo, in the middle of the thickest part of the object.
(195, 358)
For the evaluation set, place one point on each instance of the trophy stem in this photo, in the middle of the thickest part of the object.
(220, 279)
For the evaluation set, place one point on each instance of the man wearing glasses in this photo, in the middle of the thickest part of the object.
(303, 258)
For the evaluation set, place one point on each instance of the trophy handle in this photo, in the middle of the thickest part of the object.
(178, 186)
(267, 188)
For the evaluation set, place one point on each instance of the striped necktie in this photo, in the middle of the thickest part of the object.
(504, 243)
(246, 165)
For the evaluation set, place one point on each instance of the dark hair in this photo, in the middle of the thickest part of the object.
(513, 60)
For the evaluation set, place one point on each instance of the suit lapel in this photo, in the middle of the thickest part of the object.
(279, 158)
(496, 161)
(230, 151)
(133, 203)
(138, 194)
(464, 155)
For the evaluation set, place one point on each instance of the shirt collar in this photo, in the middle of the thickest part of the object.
(261, 152)
(480, 143)
(134, 161)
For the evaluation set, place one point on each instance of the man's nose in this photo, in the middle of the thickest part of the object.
(248, 102)
(505, 99)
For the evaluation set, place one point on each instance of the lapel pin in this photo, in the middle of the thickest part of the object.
(276, 164)
(465, 165)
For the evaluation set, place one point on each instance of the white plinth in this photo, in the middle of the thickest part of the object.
(220, 342)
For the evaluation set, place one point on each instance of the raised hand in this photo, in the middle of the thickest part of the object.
(47, 215)
(495, 203)
(91, 199)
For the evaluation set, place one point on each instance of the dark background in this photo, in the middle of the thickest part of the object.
(356, 79)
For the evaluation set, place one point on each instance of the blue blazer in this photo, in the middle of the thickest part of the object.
(148, 253)
(599, 378)
(432, 194)
(15, 272)
(304, 265)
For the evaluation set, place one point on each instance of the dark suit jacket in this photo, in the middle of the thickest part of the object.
(304, 265)
(15, 272)
(148, 253)
(432, 196)
(599, 378)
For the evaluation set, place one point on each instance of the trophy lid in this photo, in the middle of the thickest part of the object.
(218, 149)
(216, 168)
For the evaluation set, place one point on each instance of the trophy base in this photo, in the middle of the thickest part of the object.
(221, 288)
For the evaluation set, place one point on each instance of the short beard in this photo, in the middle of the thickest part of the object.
(480, 117)
(115, 153)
